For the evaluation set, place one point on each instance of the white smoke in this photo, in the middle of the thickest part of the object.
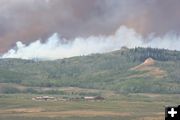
(54, 48)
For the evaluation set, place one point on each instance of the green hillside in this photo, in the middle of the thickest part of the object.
(118, 71)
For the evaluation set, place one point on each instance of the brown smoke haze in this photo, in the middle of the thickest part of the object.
(30, 20)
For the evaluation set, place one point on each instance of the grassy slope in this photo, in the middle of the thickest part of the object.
(109, 71)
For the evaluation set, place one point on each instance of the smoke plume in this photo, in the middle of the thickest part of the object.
(57, 47)
(29, 20)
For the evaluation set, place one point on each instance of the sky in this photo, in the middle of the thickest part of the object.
(27, 21)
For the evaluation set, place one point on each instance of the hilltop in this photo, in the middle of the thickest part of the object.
(139, 70)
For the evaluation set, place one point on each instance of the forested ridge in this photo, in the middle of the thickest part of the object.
(111, 71)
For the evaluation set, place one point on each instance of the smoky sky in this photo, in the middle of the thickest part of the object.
(29, 20)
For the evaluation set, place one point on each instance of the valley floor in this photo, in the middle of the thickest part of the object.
(115, 107)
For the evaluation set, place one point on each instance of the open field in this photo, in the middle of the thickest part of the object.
(116, 107)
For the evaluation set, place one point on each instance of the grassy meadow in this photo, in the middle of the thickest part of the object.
(114, 107)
